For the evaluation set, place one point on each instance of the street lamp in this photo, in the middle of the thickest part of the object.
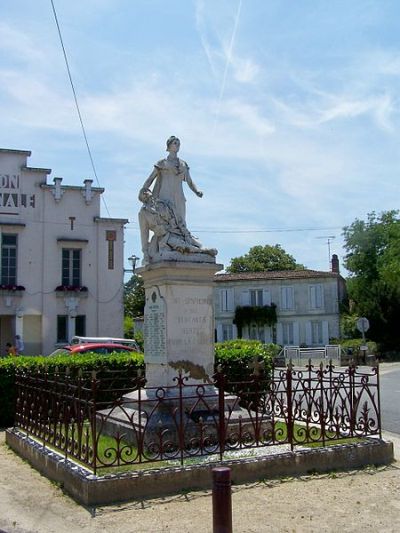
(133, 259)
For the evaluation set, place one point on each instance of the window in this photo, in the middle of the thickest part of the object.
(71, 267)
(256, 297)
(226, 299)
(227, 332)
(62, 328)
(317, 333)
(287, 298)
(316, 296)
(63, 333)
(257, 333)
(8, 259)
(287, 333)
(80, 326)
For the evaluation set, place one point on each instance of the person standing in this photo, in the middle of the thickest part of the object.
(19, 345)
(10, 350)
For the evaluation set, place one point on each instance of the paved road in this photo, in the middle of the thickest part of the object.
(390, 397)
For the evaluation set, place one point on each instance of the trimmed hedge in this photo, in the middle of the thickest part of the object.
(86, 362)
(235, 357)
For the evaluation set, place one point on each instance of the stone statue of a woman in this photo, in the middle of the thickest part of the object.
(164, 213)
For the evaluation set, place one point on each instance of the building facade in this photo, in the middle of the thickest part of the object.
(307, 305)
(61, 262)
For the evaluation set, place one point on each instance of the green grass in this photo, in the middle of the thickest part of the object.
(106, 449)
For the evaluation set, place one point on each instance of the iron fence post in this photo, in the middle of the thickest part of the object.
(93, 421)
(221, 412)
(140, 432)
(181, 427)
(321, 403)
(352, 393)
(289, 376)
(378, 389)
(222, 500)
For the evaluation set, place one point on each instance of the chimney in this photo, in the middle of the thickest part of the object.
(335, 264)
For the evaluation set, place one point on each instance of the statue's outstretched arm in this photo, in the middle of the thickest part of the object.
(191, 184)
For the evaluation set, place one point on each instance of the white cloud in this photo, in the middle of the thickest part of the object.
(379, 107)
(245, 70)
(19, 45)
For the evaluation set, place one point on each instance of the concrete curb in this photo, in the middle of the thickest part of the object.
(90, 490)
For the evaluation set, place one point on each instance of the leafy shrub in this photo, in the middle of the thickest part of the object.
(138, 336)
(130, 363)
(237, 357)
(354, 345)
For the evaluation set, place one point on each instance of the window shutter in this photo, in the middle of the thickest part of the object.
(296, 334)
(321, 288)
(290, 298)
(234, 331)
(312, 296)
(219, 333)
(325, 332)
(279, 333)
(230, 299)
(245, 298)
(268, 334)
(266, 297)
(308, 333)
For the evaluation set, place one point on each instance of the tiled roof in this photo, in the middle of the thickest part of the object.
(275, 274)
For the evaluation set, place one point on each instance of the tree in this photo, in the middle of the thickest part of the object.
(373, 259)
(262, 258)
(134, 297)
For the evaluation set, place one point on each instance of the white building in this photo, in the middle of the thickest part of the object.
(61, 262)
(307, 305)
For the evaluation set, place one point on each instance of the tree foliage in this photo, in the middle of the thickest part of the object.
(373, 259)
(134, 297)
(260, 315)
(262, 258)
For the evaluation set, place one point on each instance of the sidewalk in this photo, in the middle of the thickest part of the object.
(347, 502)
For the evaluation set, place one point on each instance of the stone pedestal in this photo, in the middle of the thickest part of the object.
(178, 321)
(179, 406)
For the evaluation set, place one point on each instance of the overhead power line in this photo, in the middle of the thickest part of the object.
(76, 102)
(270, 230)
(275, 230)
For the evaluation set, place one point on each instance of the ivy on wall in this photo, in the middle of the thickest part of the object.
(248, 314)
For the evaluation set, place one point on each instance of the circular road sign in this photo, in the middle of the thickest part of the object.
(362, 324)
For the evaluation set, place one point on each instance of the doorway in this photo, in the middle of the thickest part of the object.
(7, 332)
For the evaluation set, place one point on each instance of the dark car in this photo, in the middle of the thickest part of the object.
(103, 348)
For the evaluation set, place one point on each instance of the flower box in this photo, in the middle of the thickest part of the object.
(71, 290)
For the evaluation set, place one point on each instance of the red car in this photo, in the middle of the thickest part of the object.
(103, 348)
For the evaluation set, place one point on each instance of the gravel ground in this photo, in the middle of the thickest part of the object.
(366, 500)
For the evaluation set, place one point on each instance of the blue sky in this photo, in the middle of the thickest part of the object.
(287, 111)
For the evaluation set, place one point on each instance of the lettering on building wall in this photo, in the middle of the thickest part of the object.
(11, 197)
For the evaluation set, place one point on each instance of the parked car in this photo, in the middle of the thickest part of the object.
(103, 348)
(131, 343)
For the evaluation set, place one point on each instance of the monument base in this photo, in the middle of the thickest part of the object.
(178, 321)
(159, 419)
(180, 408)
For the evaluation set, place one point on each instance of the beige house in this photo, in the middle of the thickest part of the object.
(61, 262)
(307, 305)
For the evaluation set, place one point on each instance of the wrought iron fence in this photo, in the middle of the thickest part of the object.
(107, 420)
